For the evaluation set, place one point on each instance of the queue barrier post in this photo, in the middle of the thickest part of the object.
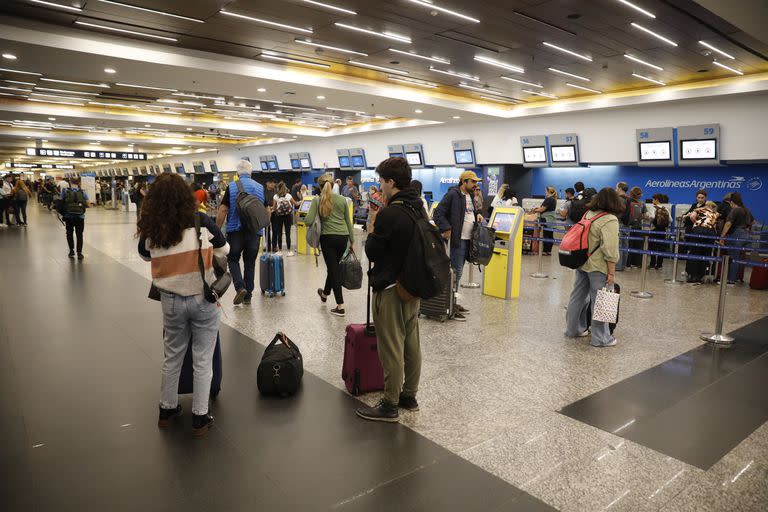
(642, 294)
(712, 276)
(675, 261)
(540, 274)
(471, 279)
(718, 338)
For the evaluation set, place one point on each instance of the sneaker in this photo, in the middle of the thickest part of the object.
(323, 297)
(459, 317)
(383, 411)
(290, 253)
(247, 300)
(71, 254)
(200, 424)
(279, 253)
(80, 256)
(611, 344)
(239, 297)
(731, 283)
(337, 311)
(584, 334)
(166, 415)
(408, 403)
(461, 309)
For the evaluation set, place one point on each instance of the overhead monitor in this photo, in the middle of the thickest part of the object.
(534, 155)
(214, 167)
(272, 165)
(135, 171)
(702, 149)
(464, 156)
(395, 155)
(198, 167)
(264, 166)
(166, 167)
(655, 151)
(179, 168)
(413, 158)
(563, 154)
(343, 161)
(502, 222)
(305, 164)
(143, 170)
(305, 205)
(296, 163)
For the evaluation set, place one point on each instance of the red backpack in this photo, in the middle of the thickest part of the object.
(574, 248)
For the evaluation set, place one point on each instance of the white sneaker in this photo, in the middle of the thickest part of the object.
(584, 334)
(279, 253)
(611, 344)
(291, 253)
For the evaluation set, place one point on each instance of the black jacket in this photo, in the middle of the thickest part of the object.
(387, 246)
(449, 214)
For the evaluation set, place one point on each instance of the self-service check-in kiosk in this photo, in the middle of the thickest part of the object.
(502, 275)
(301, 226)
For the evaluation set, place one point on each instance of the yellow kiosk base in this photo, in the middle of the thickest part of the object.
(502, 275)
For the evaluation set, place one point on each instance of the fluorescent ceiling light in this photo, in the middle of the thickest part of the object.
(198, 96)
(654, 66)
(19, 83)
(261, 89)
(416, 55)
(501, 99)
(320, 97)
(379, 68)
(124, 31)
(345, 110)
(721, 52)
(84, 84)
(639, 9)
(329, 47)
(9, 56)
(111, 71)
(329, 6)
(138, 86)
(57, 96)
(546, 95)
(300, 108)
(583, 88)
(293, 61)
(178, 102)
(480, 89)
(498, 64)
(267, 22)
(465, 76)
(446, 11)
(15, 89)
(649, 79)
(107, 104)
(654, 34)
(410, 81)
(66, 92)
(58, 6)
(569, 52)
(152, 11)
(387, 35)
(727, 67)
(254, 99)
(456, 117)
(20, 72)
(56, 102)
(522, 82)
(560, 72)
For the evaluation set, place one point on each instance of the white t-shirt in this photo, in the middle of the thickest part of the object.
(469, 218)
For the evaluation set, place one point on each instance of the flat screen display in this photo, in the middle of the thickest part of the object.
(563, 154)
(413, 158)
(358, 161)
(295, 163)
(264, 166)
(166, 167)
(143, 171)
(698, 149)
(305, 205)
(179, 168)
(502, 222)
(198, 167)
(395, 155)
(214, 167)
(272, 165)
(463, 156)
(343, 161)
(305, 164)
(650, 151)
(534, 155)
(135, 171)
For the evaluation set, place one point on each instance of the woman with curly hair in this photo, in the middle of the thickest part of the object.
(168, 239)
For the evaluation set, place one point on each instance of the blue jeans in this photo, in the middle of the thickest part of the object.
(186, 318)
(21, 212)
(734, 251)
(458, 257)
(623, 255)
(584, 292)
(247, 246)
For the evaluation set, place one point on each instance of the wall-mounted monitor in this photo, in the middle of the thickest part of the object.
(655, 151)
(166, 167)
(563, 154)
(143, 170)
(395, 155)
(198, 167)
(463, 153)
(413, 158)
(702, 149)
(272, 165)
(305, 163)
(358, 161)
(463, 156)
(344, 162)
(214, 167)
(135, 171)
(296, 163)
(179, 166)
(535, 155)
(264, 166)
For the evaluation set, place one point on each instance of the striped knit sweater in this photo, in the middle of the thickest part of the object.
(175, 269)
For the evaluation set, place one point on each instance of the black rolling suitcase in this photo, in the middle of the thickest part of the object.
(611, 327)
(186, 379)
(440, 306)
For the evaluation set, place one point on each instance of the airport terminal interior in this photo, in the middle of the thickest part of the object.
(664, 99)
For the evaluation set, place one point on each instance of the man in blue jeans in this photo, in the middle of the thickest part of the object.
(455, 216)
(241, 242)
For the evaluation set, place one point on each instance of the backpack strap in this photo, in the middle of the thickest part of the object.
(239, 186)
(200, 265)
(593, 219)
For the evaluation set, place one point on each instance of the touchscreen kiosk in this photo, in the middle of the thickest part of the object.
(502, 275)
(301, 226)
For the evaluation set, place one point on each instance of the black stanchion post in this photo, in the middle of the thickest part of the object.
(540, 274)
(471, 279)
(675, 272)
(718, 338)
(642, 294)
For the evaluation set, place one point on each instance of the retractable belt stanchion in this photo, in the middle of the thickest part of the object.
(471, 279)
(718, 338)
(540, 274)
(642, 294)
(675, 261)
(712, 276)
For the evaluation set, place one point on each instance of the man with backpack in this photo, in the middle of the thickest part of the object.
(74, 202)
(578, 206)
(242, 241)
(621, 189)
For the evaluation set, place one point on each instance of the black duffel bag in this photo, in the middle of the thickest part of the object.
(281, 368)
(481, 244)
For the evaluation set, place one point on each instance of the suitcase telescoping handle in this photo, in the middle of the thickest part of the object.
(370, 330)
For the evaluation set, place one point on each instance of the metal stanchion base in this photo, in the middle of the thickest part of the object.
(673, 281)
(470, 285)
(539, 275)
(718, 339)
(642, 295)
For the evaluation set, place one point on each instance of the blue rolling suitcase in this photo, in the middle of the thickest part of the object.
(271, 273)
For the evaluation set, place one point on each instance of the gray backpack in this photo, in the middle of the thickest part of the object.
(314, 231)
(252, 212)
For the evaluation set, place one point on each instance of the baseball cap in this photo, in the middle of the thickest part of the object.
(468, 175)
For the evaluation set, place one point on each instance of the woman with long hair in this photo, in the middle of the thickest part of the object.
(548, 215)
(282, 219)
(168, 239)
(336, 236)
(21, 195)
(599, 270)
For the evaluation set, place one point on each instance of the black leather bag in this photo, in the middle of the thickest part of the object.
(481, 244)
(281, 368)
(223, 281)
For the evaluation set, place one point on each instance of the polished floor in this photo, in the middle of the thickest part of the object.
(513, 416)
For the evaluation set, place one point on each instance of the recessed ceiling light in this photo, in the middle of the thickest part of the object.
(546, 95)
(261, 89)
(446, 11)
(58, 6)
(329, 47)
(419, 111)
(152, 11)
(654, 34)
(20, 72)
(583, 88)
(321, 97)
(639, 9)
(522, 82)
(57, 96)
(565, 50)
(423, 57)
(560, 72)
(84, 84)
(332, 7)
(9, 56)
(644, 63)
(412, 81)
(465, 76)
(379, 68)
(727, 67)
(138, 86)
(124, 31)
(387, 35)
(51, 118)
(456, 117)
(147, 126)
(189, 129)
(648, 79)
(111, 71)
(721, 52)
(498, 64)
(272, 56)
(266, 22)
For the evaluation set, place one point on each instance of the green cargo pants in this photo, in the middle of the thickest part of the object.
(397, 328)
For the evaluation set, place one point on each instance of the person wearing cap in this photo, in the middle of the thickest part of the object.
(455, 216)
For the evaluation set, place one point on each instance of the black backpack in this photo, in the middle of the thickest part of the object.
(254, 216)
(481, 244)
(281, 368)
(427, 267)
(74, 202)
(579, 204)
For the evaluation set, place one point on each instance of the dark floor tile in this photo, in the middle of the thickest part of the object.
(524, 503)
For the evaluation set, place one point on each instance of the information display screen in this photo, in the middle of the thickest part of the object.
(562, 154)
(143, 170)
(650, 151)
(464, 156)
(135, 171)
(166, 167)
(305, 205)
(534, 155)
(272, 165)
(180, 168)
(413, 158)
(305, 164)
(395, 155)
(214, 167)
(502, 222)
(264, 166)
(343, 161)
(295, 164)
(705, 149)
(198, 167)
(358, 161)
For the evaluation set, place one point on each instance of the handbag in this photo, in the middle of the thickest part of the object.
(281, 367)
(606, 308)
(219, 287)
(481, 244)
(154, 292)
(351, 271)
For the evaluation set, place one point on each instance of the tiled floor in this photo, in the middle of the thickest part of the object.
(491, 387)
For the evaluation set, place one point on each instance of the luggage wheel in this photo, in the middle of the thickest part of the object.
(282, 294)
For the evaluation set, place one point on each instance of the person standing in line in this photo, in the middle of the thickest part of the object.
(419, 188)
(5, 200)
(336, 187)
(396, 320)
(75, 202)
(455, 216)
(168, 239)
(62, 185)
(566, 209)
(736, 227)
(659, 224)
(621, 189)
(141, 193)
(282, 220)
(477, 197)
(636, 212)
(201, 197)
(296, 191)
(706, 225)
(599, 270)
(548, 216)
(242, 243)
(351, 191)
(336, 235)
(691, 216)
(21, 195)
(504, 197)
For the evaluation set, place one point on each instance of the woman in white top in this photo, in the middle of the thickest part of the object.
(282, 219)
(505, 197)
(337, 187)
